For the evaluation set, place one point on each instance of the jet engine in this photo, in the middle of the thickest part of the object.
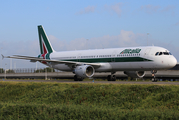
(84, 71)
(135, 74)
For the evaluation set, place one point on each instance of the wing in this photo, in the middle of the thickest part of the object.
(34, 59)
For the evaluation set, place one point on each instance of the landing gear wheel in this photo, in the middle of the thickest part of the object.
(111, 78)
(80, 79)
(154, 80)
(77, 78)
(153, 74)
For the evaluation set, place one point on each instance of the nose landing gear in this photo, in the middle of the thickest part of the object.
(153, 75)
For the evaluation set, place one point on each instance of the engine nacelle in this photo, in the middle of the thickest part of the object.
(135, 74)
(84, 71)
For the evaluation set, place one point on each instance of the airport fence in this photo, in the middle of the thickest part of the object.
(28, 70)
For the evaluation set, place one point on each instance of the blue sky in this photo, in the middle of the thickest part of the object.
(86, 24)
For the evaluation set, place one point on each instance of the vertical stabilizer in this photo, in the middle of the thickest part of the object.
(45, 46)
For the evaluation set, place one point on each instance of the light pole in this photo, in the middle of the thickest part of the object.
(15, 67)
(45, 73)
(1, 66)
(5, 72)
(1, 62)
(10, 63)
(147, 38)
(86, 43)
(36, 67)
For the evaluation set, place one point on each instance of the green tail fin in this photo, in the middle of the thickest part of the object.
(45, 46)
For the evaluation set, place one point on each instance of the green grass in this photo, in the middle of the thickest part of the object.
(87, 101)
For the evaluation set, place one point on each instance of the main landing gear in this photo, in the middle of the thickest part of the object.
(153, 75)
(77, 78)
(111, 77)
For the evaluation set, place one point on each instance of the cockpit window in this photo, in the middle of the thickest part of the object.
(157, 53)
(165, 53)
(162, 53)
(170, 53)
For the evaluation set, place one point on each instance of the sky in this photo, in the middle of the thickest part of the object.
(89, 24)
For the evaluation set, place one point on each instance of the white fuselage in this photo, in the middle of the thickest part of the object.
(118, 59)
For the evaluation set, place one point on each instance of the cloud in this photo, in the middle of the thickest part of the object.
(116, 8)
(86, 10)
(27, 48)
(124, 39)
(176, 24)
(31, 48)
(149, 8)
(169, 9)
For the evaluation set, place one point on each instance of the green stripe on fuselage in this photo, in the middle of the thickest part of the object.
(102, 60)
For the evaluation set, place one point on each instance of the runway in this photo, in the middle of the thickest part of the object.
(98, 82)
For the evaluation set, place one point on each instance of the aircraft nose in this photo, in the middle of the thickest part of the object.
(172, 62)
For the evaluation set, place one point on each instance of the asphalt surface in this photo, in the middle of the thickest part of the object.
(103, 82)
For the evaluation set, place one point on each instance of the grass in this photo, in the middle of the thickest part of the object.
(87, 101)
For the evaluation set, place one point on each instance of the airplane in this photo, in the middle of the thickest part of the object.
(134, 61)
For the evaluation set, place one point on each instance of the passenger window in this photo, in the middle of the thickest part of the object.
(156, 53)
